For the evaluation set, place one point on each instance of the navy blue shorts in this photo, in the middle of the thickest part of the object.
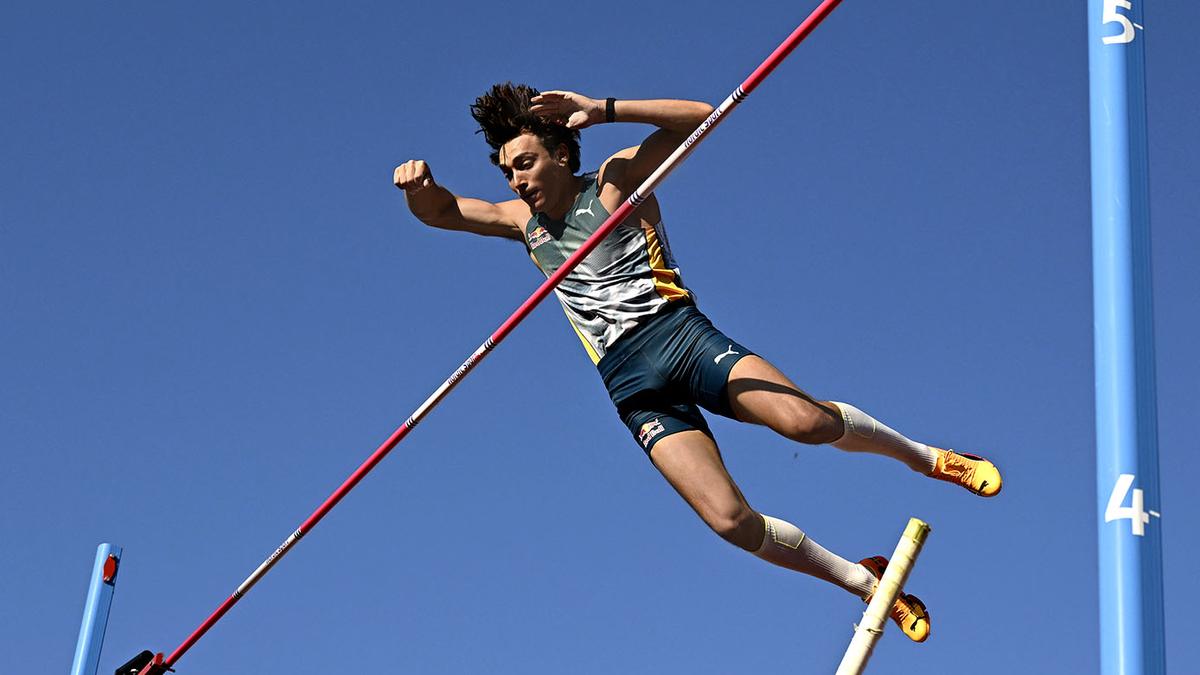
(659, 372)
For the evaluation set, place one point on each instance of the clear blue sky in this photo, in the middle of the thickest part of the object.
(214, 305)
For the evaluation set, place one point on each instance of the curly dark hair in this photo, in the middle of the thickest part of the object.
(503, 114)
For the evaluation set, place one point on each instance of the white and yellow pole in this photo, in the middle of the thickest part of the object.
(867, 633)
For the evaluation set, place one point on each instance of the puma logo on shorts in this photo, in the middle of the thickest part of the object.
(728, 352)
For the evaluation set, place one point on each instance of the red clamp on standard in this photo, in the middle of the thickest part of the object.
(146, 663)
(110, 568)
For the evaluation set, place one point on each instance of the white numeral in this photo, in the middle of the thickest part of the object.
(1134, 512)
(1112, 15)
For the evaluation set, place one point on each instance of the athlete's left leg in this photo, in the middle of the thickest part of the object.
(760, 394)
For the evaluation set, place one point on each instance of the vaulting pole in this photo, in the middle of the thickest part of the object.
(867, 633)
(639, 195)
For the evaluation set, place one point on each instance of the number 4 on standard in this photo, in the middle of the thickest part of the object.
(1137, 515)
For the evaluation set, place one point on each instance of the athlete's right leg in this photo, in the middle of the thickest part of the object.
(691, 463)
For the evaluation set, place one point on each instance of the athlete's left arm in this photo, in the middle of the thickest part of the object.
(675, 119)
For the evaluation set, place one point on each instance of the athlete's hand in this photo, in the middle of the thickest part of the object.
(413, 176)
(576, 111)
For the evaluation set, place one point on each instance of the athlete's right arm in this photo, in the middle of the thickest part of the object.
(436, 206)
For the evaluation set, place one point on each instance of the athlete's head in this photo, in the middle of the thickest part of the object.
(537, 156)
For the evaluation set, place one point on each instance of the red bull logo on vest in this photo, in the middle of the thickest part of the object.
(538, 236)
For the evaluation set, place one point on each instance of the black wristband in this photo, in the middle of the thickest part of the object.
(610, 110)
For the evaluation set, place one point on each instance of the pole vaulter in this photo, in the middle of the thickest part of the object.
(148, 663)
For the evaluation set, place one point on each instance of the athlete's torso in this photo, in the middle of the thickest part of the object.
(628, 277)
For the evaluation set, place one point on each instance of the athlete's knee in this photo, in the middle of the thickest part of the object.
(738, 524)
(812, 422)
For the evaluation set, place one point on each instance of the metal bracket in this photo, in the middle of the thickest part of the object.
(146, 663)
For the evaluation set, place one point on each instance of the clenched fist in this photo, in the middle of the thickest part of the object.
(413, 176)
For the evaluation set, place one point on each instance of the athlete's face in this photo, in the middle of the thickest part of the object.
(540, 178)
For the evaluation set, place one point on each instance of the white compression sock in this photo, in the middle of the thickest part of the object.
(867, 434)
(786, 545)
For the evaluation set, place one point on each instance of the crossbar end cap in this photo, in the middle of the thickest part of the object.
(145, 663)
